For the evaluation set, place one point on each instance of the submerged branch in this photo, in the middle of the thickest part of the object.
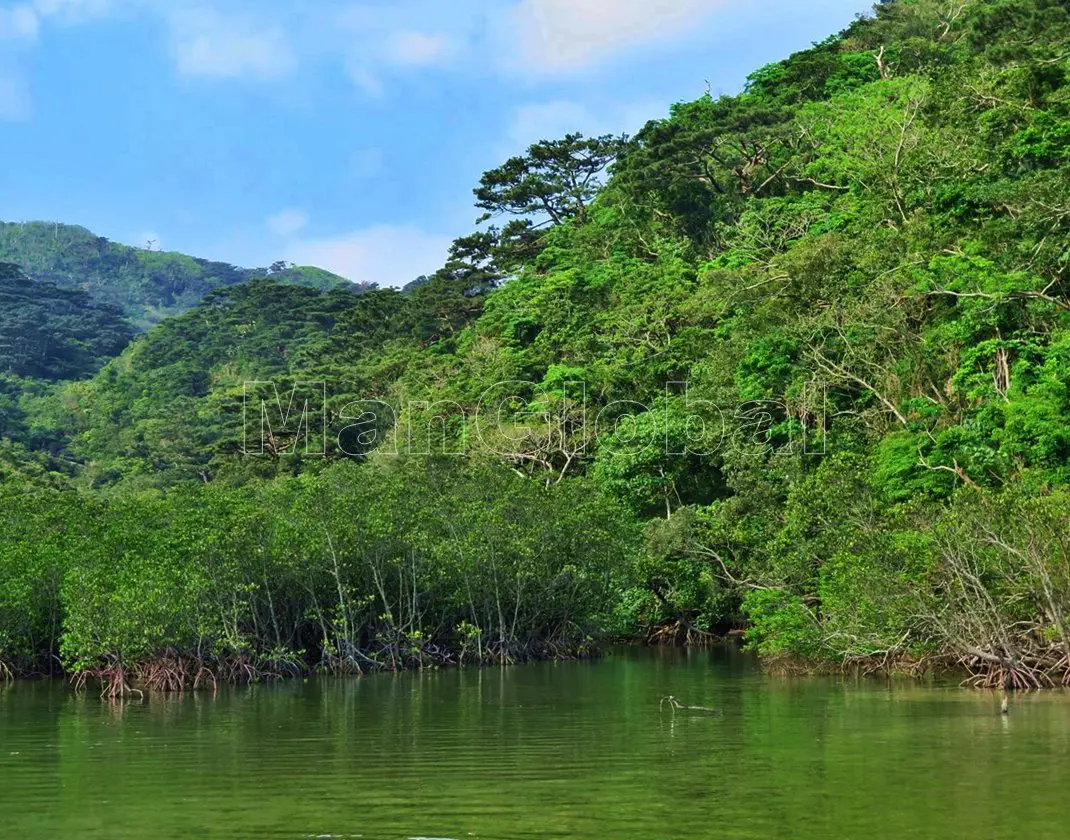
(675, 704)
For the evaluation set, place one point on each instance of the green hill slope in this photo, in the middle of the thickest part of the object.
(147, 285)
(52, 333)
(811, 342)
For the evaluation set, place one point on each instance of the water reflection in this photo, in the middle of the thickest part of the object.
(556, 750)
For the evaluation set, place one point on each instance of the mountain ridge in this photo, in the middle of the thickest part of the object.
(822, 329)
(148, 286)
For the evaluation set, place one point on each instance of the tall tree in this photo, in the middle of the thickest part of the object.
(556, 180)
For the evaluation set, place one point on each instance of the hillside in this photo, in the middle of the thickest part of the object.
(51, 333)
(795, 361)
(147, 286)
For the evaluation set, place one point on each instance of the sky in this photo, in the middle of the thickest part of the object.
(346, 134)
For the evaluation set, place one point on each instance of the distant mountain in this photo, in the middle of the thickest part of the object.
(51, 333)
(147, 286)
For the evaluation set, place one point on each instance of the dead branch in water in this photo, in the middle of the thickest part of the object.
(675, 704)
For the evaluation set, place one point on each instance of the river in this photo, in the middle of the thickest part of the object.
(556, 750)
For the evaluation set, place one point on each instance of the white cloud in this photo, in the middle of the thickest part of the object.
(566, 35)
(23, 20)
(418, 49)
(14, 99)
(74, 10)
(366, 80)
(380, 41)
(287, 222)
(390, 255)
(20, 28)
(402, 51)
(208, 44)
(551, 120)
(367, 164)
(19, 23)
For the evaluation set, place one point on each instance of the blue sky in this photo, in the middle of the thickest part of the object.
(342, 134)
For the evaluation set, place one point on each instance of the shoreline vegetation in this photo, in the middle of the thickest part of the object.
(864, 251)
(176, 674)
(209, 583)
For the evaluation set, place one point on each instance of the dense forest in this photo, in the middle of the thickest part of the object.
(148, 285)
(794, 362)
(53, 334)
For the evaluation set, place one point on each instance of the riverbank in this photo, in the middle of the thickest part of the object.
(173, 674)
(976, 671)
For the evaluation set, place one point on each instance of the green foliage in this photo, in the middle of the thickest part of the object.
(147, 285)
(49, 333)
(796, 359)
(360, 568)
(556, 178)
(781, 624)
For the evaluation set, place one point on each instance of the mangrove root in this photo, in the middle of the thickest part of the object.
(168, 675)
(113, 682)
(1044, 669)
(681, 634)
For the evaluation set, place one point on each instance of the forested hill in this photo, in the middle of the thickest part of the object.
(147, 285)
(796, 360)
(51, 333)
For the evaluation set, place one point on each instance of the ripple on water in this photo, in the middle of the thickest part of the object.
(572, 750)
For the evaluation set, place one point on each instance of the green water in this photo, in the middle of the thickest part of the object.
(557, 750)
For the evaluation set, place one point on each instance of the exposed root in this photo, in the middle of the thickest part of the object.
(396, 652)
(1013, 676)
(238, 669)
(1064, 667)
(172, 673)
(1048, 669)
(797, 666)
(6, 672)
(113, 682)
(279, 665)
(681, 634)
(203, 676)
(167, 675)
(887, 663)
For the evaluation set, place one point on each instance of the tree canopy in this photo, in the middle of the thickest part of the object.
(795, 361)
(147, 284)
(51, 333)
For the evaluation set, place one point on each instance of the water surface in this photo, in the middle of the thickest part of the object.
(576, 750)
